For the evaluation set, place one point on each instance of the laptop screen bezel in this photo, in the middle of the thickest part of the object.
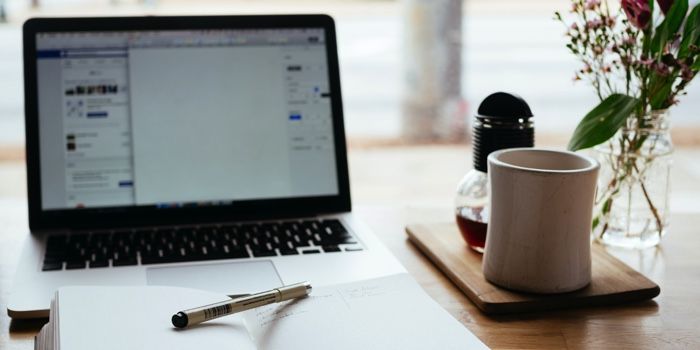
(107, 217)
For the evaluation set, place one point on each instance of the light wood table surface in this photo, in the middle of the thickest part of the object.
(393, 190)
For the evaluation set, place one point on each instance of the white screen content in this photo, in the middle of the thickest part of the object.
(184, 117)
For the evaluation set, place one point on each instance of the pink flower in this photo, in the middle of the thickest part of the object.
(625, 61)
(661, 68)
(665, 5)
(648, 62)
(594, 24)
(687, 74)
(592, 4)
(637, 11)
(610, 21)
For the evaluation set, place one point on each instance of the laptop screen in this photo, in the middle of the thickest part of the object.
(183, 118)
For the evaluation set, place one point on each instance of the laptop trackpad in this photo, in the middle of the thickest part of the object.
(226, 278)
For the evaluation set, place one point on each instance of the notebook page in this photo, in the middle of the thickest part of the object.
(44, 339)
(384, 313)
(121, 318)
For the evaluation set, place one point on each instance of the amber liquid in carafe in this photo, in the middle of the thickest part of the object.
(473, 227)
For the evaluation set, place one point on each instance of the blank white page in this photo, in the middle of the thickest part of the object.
(119, 318)
(384, 313)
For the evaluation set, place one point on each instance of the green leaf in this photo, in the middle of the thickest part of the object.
(691, 32)
(670, 25)
(607, 205)
(661, 100)
(603, 121)
(660, 88)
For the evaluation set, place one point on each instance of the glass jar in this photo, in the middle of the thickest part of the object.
(634, 181)
(504, 120)
(471, 208)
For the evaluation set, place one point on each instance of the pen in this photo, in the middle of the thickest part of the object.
(205, 313)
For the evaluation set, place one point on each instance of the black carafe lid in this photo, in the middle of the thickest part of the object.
(503, 121)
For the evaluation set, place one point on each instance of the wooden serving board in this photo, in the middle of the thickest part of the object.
(613, 281)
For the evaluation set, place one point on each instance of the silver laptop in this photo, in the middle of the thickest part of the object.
(204, 152)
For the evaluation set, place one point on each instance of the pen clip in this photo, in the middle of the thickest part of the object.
(236, 296)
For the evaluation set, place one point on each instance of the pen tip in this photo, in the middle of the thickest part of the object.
(180, 320)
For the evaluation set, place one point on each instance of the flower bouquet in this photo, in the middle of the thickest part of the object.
(639, 60)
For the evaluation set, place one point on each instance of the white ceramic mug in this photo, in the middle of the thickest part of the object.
(538, 237)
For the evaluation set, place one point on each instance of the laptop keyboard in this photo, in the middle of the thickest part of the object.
(180, 244)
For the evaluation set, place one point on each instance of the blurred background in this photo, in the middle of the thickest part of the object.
(413, 71)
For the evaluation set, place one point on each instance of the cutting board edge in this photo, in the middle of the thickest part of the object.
(519, 307)
(452, 276)
(528, 306)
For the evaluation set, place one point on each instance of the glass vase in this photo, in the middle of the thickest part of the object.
(634, 182)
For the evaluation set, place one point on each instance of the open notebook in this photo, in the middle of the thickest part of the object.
(386, 313)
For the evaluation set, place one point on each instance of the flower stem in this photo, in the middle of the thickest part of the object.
(652, 207)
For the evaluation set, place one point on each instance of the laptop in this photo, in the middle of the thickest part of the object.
(204, 152)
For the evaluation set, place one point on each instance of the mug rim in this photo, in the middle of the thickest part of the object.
(493, 160)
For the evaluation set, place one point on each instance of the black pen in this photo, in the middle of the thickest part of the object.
(205, 313)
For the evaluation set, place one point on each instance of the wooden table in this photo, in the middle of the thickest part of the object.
(672, 320)
(396, 189)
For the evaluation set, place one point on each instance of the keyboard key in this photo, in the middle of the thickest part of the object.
(76, 264)
(150, 259)
(124, 262)
(331, 248)
(298, 241)
(289, 252)
(263, 253)
(53, 259)
(312, 251)
(99, 263)
(353, 249)
(335, 240)
(52, 266)
(238, 254)
(166, 259)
